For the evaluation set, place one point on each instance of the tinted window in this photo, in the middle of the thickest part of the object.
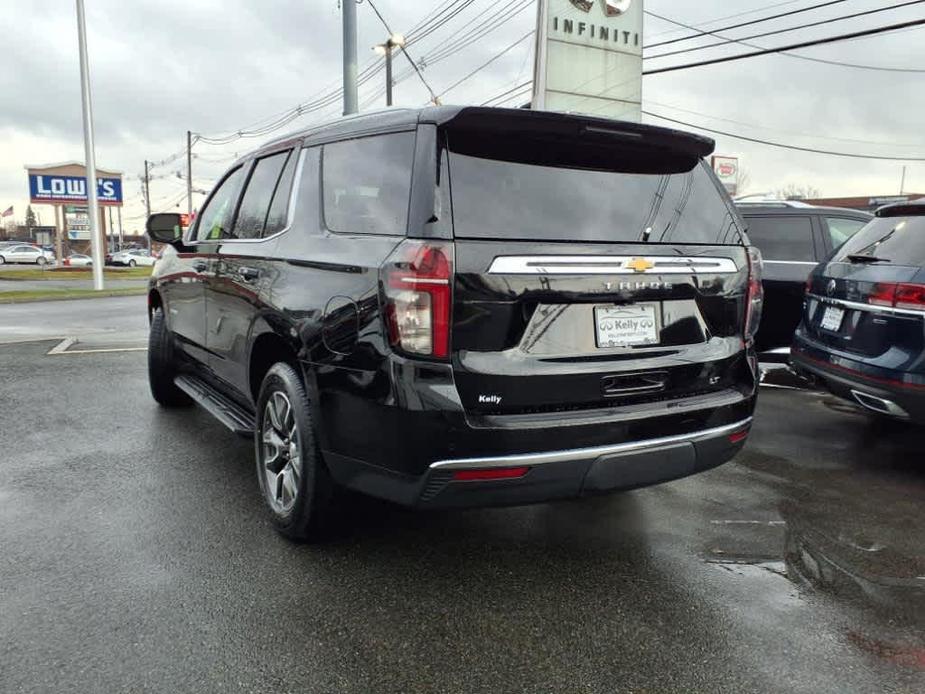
(252, 214)
(900, 240)
(367, 184)
(783, 237)
(840, 229)
(278, 216)
(215, 217)
(538, 200)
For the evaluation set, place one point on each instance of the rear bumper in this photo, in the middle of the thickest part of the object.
(884, 391)
(551, 475)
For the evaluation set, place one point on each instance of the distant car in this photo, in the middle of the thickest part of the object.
(133, 257)
(26, 253)
(79, 260)
(793, 238)
(862, 327)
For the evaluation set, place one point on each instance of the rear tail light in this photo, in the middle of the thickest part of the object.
(908, 296)
(417, 282)
(755, 294)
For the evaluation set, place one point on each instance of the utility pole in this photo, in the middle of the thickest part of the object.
(350, 56)
(902, 183)
(93, 211)
(385, 49)
(147, 199)
(189, 173)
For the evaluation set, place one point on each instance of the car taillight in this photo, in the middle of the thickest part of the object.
(417, 281)
(903, 295)
(755, 294)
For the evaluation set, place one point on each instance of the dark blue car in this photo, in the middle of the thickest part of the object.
(863, 327)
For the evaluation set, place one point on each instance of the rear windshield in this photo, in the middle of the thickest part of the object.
(625, 202)
(897, 240)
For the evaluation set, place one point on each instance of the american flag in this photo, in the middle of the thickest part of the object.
(8, 212)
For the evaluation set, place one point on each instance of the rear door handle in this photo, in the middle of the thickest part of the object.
(200, 265)
(249, 274)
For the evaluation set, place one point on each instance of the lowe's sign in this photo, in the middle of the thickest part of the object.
(45, 188)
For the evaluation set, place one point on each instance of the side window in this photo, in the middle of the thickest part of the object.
(255, 203)
(840, 229)
(367, 184)
(278, 216)
(783, 238)
(215, 217)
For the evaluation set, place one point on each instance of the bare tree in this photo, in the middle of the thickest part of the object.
(792, 191)
(742, 180)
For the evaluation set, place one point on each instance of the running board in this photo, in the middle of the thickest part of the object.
(219, 405)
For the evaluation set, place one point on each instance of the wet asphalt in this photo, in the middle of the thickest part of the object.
(135, 556)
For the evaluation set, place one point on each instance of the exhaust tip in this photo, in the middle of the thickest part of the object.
(880, 405)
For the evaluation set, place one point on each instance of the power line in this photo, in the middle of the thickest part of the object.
(489, 62)
(519, 87)
(804, 44)
(857, 66)
(780, 144)
(745, 24)
(433, 96)
(733, 16)
(775, 32)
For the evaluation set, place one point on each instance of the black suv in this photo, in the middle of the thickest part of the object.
(463, 306)
(793, 238)
(863, 328)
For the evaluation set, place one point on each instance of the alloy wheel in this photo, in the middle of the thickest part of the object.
(281, 453)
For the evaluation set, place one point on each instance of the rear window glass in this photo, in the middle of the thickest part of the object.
(520, 200)
(841, 229)
(783, 237)
(899, 240)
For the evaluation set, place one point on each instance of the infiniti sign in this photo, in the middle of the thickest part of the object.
(612, 8)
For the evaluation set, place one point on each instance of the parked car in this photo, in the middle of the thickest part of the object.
(25, 253)
(79, 260)
(793, 237)
(133, 257)
(572, 315)
(863, 328)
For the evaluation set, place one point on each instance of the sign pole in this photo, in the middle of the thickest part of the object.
(59, 232)
(349, 8)
(92, 203)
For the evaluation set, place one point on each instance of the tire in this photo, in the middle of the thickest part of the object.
(162, 364)
(2, 260)
(294, 481)
(132, 263)
(41, 260)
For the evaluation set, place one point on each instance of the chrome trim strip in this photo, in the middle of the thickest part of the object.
(886, 406)
(533, 459)
(608, 265)
(871, 308)
(806, 263)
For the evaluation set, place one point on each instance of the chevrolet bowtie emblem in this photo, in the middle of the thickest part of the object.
(639, 265)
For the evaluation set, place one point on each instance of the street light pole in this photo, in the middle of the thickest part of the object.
(93, 209)
(385, 49)
(189, 173)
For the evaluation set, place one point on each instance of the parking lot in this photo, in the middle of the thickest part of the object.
(136, 556)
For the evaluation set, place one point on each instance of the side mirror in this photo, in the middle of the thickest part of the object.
(165, 228)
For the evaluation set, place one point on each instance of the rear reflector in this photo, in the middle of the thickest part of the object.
(739, 436)
(504, 473)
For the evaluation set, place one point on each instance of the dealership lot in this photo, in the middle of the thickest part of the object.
(136, 556)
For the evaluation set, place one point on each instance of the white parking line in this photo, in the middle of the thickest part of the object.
(64, 346)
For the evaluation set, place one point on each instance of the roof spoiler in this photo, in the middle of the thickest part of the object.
(527, 122)
(903, 209)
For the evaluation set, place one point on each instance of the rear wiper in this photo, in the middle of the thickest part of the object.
(861, 258)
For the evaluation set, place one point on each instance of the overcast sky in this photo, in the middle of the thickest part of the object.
(160, 67)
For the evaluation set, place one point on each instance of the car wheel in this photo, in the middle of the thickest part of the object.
(162, 364)
(132, 263)
(41, 260)
(294, 481)
(2, 260)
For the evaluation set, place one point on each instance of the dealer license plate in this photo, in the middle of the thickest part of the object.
(626, 326)
(832, 318)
